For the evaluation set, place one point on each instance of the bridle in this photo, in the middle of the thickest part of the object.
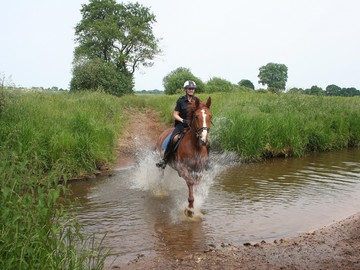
(199, 130)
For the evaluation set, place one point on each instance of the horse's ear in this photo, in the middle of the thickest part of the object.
(208, 102)
(197, 103)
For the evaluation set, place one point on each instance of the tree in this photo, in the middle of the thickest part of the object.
(217, 84)
(174, 81)
(315, 91)
(120, 34)
(349, 92)
(274, 76)
(333, 90)
(295, 90)
(247, 83)
(95, 74)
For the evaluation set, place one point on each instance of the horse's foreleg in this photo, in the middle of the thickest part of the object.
(184, 173)
(189, 211)
(190, 185)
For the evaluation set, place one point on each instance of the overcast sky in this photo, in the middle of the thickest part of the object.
(318, 40)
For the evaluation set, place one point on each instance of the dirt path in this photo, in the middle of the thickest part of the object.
(142, 132)
(333, 247)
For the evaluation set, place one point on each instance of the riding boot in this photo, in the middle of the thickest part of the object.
(162, 163)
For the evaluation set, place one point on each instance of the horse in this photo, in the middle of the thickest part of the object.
(192, 154)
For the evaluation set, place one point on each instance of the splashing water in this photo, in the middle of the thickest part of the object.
(163, 183)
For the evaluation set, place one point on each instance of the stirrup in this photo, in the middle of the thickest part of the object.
(161, 164)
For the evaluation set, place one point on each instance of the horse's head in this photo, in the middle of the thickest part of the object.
(201, 120)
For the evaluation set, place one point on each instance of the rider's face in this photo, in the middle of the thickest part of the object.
(190, 91)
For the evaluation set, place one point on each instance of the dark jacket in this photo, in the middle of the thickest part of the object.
(181, 106)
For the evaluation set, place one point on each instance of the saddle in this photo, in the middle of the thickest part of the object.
(167, 140)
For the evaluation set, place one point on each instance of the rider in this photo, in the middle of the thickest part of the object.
(181, 121)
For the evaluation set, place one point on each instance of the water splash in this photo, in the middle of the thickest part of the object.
(219, 162)
(162, 183)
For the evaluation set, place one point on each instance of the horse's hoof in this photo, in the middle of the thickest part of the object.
(189, 212)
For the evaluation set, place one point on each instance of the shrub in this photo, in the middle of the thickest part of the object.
(98, 75)
(174, 81)
(217, 84)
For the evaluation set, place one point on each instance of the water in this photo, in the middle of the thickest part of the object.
(141, 211)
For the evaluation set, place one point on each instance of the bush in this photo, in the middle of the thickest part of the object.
(217, 84)
(98, 75)
(174, 81)
(247, 83)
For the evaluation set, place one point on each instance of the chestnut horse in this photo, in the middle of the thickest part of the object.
(192, 154)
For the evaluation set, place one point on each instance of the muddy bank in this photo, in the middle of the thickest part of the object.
(336, 246)
(333, 247)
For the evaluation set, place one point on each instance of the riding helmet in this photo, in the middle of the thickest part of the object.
(189, 84)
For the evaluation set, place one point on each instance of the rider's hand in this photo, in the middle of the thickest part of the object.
(186, 122)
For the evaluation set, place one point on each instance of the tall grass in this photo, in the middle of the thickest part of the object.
(68, 133)
(45, 137)
(263, 125)
(36, 232)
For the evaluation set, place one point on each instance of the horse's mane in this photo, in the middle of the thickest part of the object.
(198, 104)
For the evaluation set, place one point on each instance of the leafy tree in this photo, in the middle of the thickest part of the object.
(315, 91)
(349, 92)
(295, 90)
(333, 90)
(95, 74)
(247, 83)
(274, 76)
(174, 81)
(120, 34)
(217, 84)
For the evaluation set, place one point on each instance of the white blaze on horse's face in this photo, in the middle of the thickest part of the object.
(204, 132)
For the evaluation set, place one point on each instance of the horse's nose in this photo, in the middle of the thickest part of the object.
(203, 142)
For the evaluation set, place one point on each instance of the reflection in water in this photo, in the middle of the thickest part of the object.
(141, 211)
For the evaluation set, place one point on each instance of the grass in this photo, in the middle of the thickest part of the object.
(67, 133)
(258, 125)
(265, 125)
(36, 231)
(45, 137)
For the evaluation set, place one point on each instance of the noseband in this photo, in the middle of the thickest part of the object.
(200, 130)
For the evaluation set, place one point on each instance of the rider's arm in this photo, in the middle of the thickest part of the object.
(177, 116)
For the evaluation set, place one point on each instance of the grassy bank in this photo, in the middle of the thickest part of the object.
(259, 126)
(45, 137)
(73, 134)
(68, 133)
(266, 125)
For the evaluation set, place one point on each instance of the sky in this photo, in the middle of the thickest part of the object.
(318, 40)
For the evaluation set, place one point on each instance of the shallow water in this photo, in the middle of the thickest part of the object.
(141, 211)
